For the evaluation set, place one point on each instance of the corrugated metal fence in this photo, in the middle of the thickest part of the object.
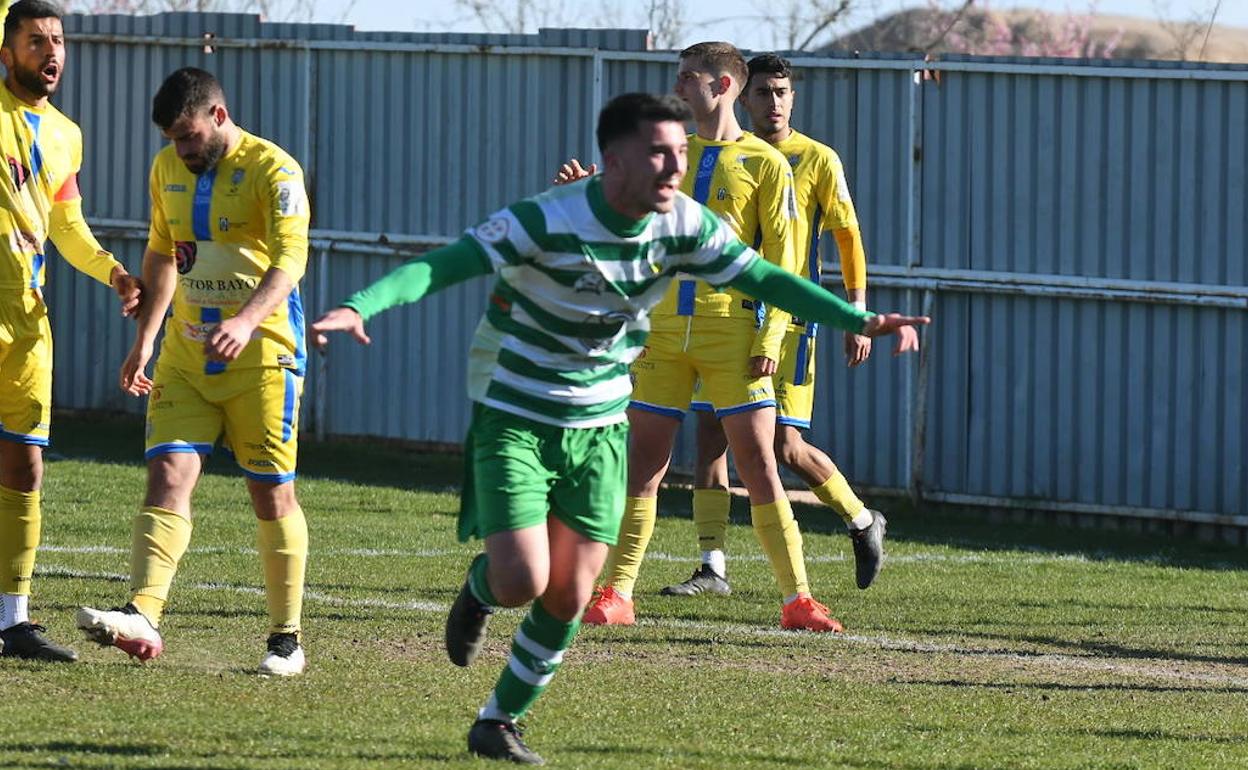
(1078, 230)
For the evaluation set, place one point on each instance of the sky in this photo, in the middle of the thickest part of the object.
(739, 22)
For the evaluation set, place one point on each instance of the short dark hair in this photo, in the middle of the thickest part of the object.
(769, 65)
(720, 56)
(185, 91)
(28, 9)
(623, 115)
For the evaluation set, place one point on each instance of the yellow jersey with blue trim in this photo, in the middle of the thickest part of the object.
(226, 228)
(748, 184)
(823, 204)
(39, 193)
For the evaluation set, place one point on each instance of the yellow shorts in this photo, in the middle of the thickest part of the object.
(255, 411)
(684, 350)
(25, 370)
(794, 382)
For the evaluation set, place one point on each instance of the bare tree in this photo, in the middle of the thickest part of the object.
(516, 16)
(271, 10)
(1188, 35)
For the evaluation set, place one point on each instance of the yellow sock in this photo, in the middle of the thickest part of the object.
(781, 540)
(635, 530)
(283, 546)
(20, 522)
(836, 494)
(710, 517)
(160, 539)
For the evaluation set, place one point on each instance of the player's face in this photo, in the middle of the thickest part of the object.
(697, 87)
(199, 139)
(649, 166)
(769, 100)
(35, 57)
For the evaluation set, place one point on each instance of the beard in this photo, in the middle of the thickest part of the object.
(213, 151)
(33, 82)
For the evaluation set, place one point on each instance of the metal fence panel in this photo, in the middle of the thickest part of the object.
(1076, 228)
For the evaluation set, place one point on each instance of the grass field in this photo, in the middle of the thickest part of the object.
(981, 646)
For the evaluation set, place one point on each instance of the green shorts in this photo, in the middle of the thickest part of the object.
(519, 471)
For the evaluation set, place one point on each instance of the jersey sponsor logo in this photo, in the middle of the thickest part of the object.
(175, 188)
(241, 285)
(612, 325)
(185, 252)
(591, 283)
(287, 171)
(842, 187)
(493, 230)
(286, 360)
(18, 172)
(290, 199)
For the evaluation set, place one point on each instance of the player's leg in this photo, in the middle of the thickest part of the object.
(651, 437)
(25, 410)
(751, 435)
(711, 507)
(261, 410)
(586, 500)
(504, 502)
(663, 381)
(795, 396)
(182, 426)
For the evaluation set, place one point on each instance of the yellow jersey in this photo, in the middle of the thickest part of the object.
(39, 195)
(749, 185)
(226, 228)
(823, 204)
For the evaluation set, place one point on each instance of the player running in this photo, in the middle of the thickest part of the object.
(578, 269)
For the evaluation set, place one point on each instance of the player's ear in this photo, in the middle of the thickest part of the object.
(219, 114)
(6, 57)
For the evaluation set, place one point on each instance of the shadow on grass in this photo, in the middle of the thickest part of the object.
(1062, 687)
(1097, 649)
(81, 755)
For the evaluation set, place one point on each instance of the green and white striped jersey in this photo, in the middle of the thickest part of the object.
(576, 281)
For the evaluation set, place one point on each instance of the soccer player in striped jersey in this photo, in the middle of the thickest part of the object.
(227, 247)
(39, 199)
(708, 334)
(578, 268)
(825, 205)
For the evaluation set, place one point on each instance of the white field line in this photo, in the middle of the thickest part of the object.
(1013, 558)
(1163, 669)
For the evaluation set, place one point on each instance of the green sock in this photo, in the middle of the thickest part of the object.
(536, 653)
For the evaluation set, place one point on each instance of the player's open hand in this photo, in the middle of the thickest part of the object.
(762, 366)
(129, 292)
(340, 319)
(134, 379)
(857, 349)
(227, 339)
(901, 325)
(573, 170)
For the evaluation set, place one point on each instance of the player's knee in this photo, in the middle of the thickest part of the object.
(564, 605)
(516, 581)
(790, 449)
(272, 501)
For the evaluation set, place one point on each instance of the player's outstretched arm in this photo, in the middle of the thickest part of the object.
(573, 171)
(410, 282)
(806, 300)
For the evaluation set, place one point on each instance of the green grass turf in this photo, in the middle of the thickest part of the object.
(981, 646)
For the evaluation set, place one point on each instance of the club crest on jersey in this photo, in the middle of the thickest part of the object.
(19, 173)
(591, 283)
(493, 230)
(721, 193)
(794, 160)
(185, 253)
(237, 178)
